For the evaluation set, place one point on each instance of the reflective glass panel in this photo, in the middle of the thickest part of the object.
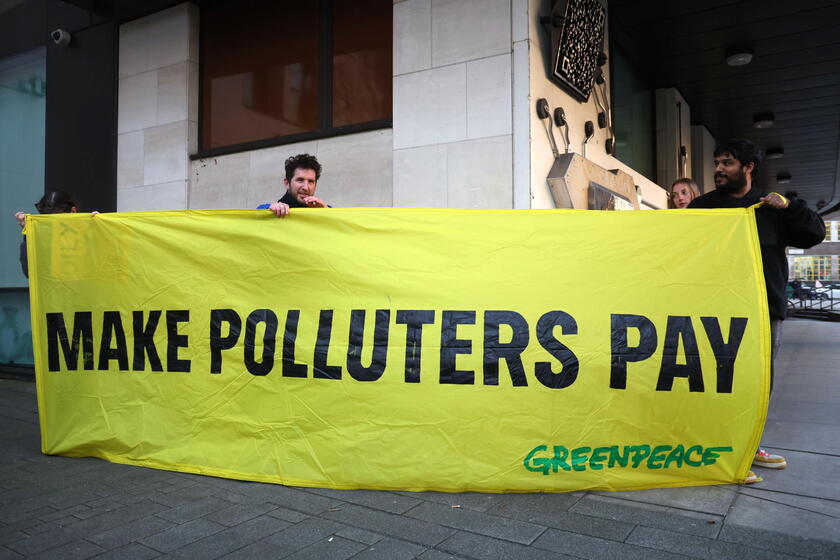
(362, 50)
(259, 70)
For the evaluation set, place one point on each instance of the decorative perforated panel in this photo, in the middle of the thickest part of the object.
(581, 40)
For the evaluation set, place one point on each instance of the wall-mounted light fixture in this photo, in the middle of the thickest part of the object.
(740, 55)
(775, 152)
(763, 120)
(783, 177)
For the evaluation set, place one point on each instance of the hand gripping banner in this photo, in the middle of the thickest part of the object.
(415, 349)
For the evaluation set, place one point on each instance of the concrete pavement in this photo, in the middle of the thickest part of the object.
(56, 507)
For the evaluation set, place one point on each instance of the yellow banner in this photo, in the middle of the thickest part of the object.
(416, 349)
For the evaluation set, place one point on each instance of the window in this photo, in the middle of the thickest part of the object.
(814, 267)
(832, 231)
(276, 72)
(23, 104)
(633, 112)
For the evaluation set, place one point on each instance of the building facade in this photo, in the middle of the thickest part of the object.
(462, 131)
(820, 263)
(163, 105)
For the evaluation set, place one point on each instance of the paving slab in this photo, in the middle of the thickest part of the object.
(802, 436)
(239, 513)
(700, 547)
(289, 515)
(471, 500)
(694, 523)
(133, 551)
(397, 526)
(125, 534)
(816, 505)
(181, 535)
(481, 547)
(231, 539)
(360, 535)
(333, 548)
(752, 511)
(478, 522)
(291, 498)
(552, 510)
(289, 540)
(795, 546)
(75, 550)
(390, 549)
(703, 499)
(432, 554)
(803, 411)
(386, 501)
(593, 548)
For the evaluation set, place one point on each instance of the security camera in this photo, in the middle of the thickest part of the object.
(61, 37)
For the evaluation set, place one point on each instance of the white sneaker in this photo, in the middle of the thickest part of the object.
(768, 460)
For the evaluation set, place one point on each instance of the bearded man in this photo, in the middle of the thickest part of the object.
(781, 222)
(301, 180)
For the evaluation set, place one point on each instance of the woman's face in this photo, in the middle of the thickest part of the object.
(681, 195)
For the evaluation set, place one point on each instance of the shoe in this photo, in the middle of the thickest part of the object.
(752, 478)
(768, 460)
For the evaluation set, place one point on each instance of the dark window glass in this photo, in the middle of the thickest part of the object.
(361, 61)
(633, 116)
(263, 74)
(259, 70)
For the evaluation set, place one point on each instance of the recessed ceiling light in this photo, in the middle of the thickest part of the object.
(783, 178)
(763, 120)
(775, 152)
(739, 57)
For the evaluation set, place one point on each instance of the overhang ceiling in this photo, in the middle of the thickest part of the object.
(794, 74)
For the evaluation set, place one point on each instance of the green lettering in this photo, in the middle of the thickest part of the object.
(540, 464)
(641, 453)
(711, 454)
(675, 456)
(579, 458)
(657, 455)
(600, 454)
(560, 455)
(620, 459)
(695, 449)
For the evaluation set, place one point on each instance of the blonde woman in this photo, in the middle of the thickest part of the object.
(682, 192)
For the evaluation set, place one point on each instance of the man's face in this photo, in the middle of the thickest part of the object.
(730, 174)
(303, 184)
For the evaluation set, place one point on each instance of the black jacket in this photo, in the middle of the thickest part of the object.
(24, 263)
(797, 226)
(291, 201)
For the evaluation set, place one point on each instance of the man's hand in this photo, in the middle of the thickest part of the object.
(775, 200)
(280, 209)
(21, 218)
(314, 202)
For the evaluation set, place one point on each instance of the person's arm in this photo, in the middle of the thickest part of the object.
(24, 262)
(804, 228)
